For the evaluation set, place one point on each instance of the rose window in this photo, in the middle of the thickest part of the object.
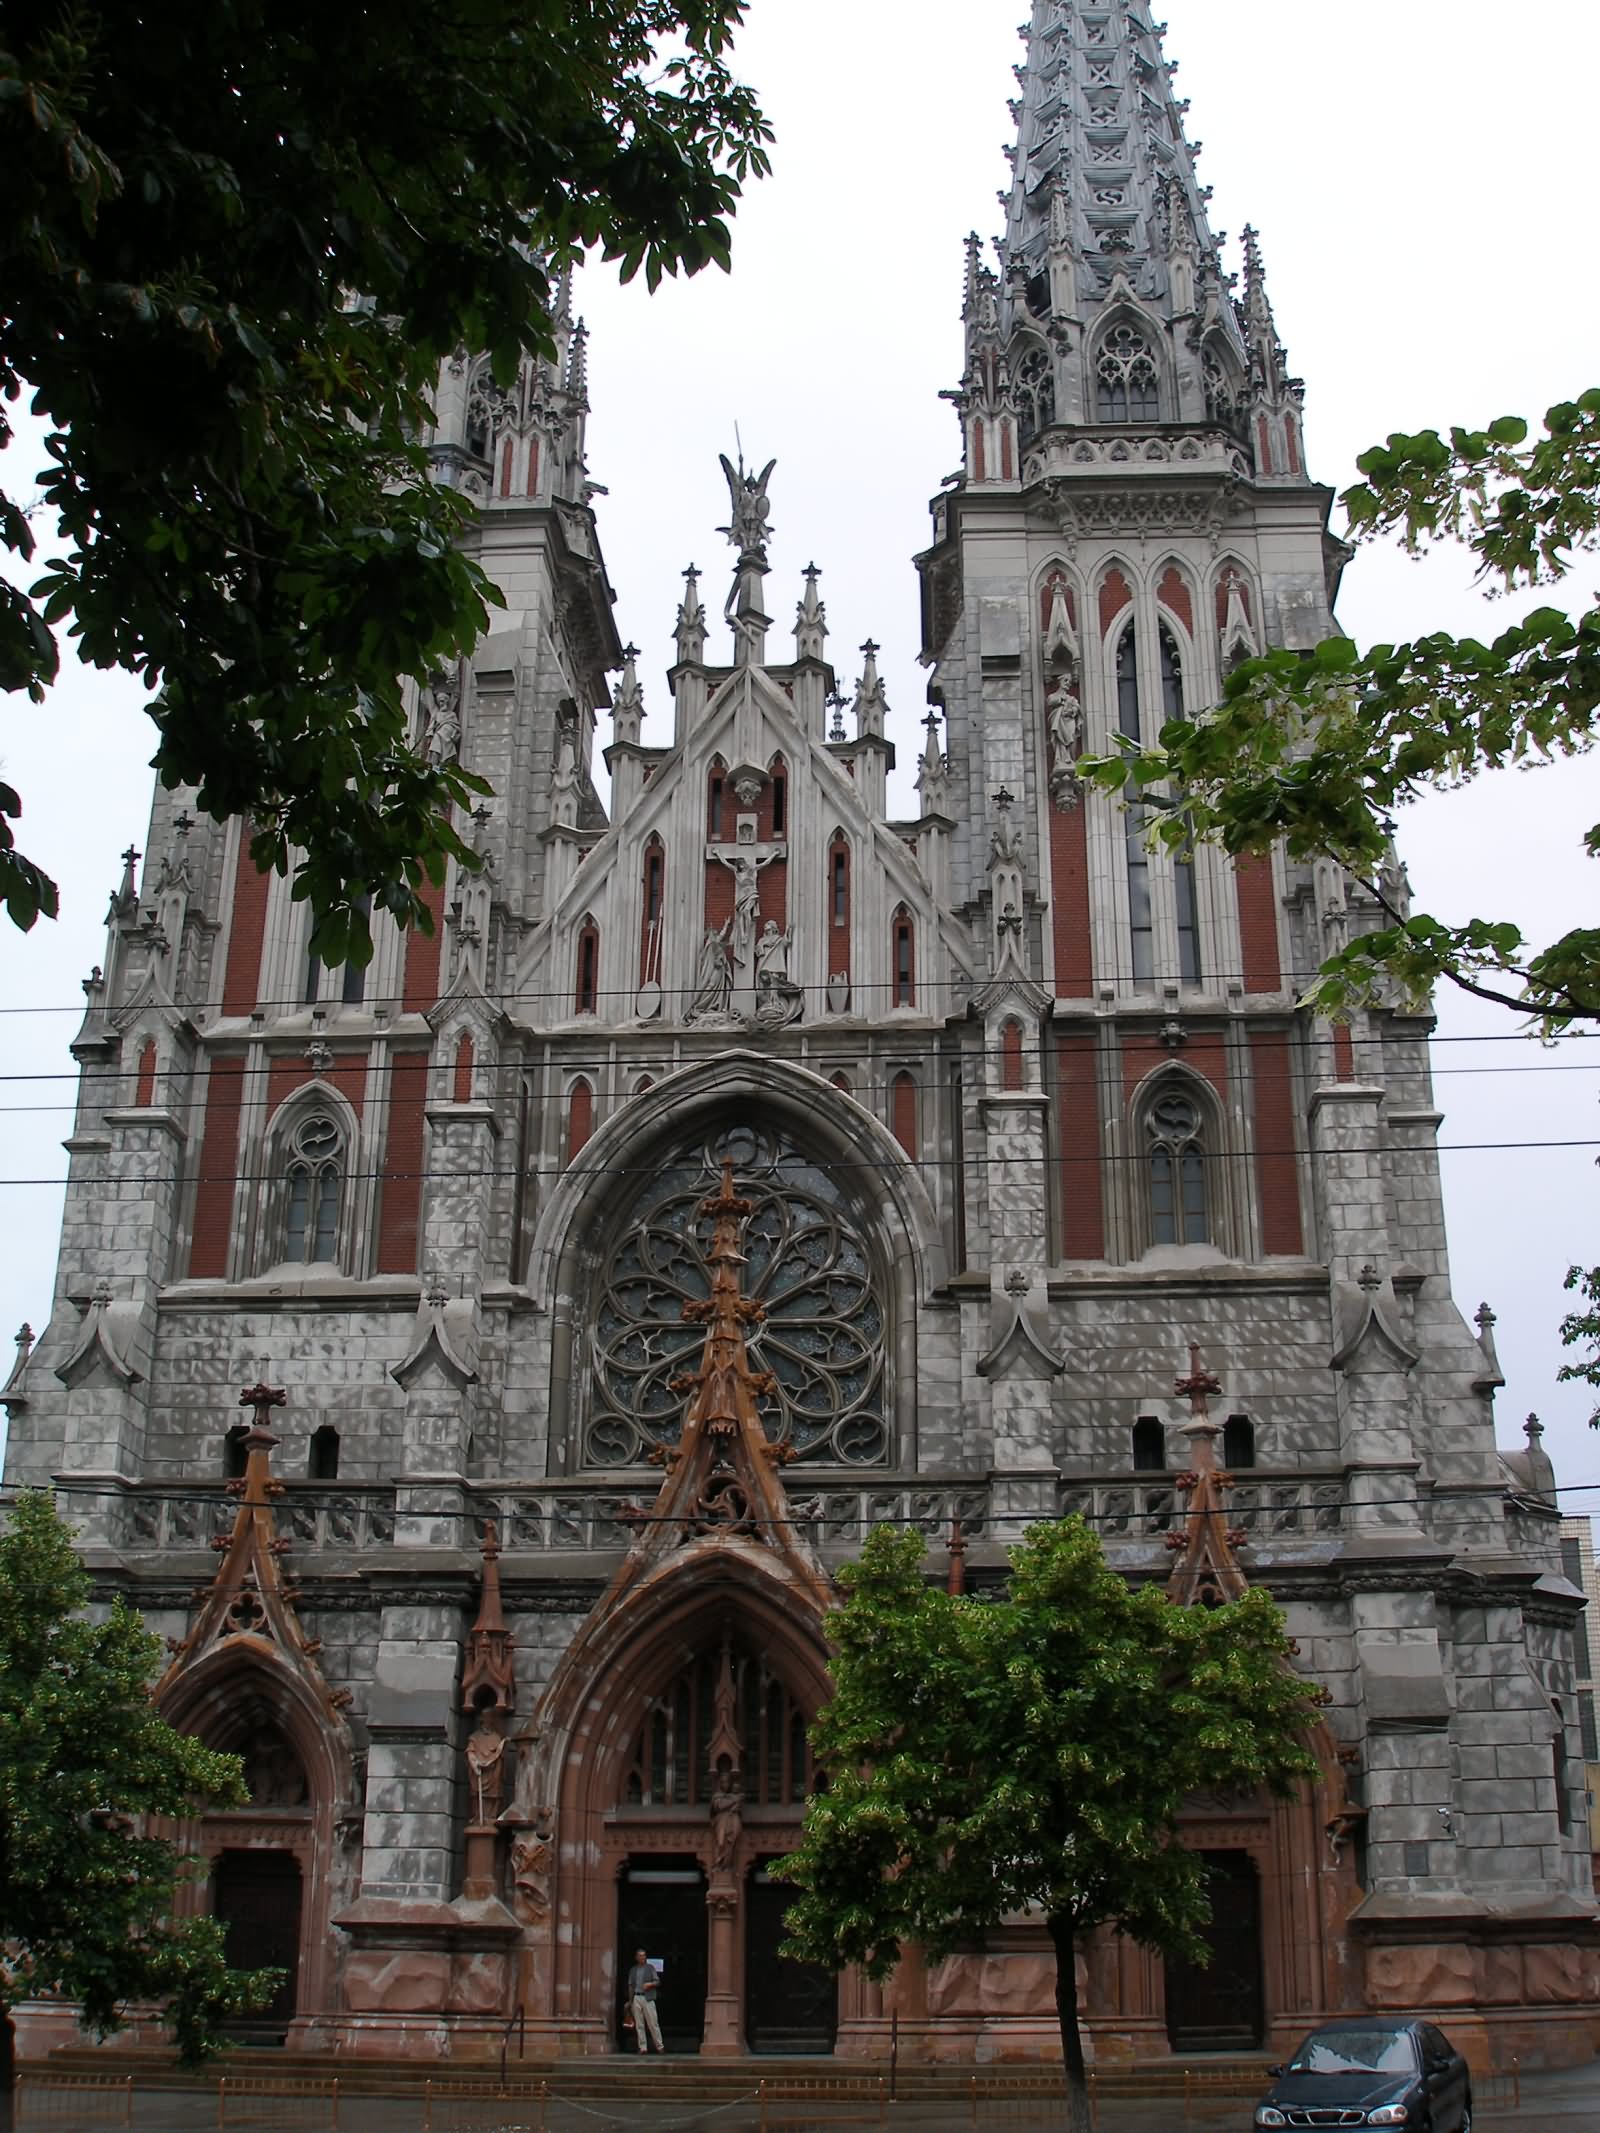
(806, 1260)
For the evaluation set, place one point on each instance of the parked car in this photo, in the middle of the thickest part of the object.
(1372, 2073)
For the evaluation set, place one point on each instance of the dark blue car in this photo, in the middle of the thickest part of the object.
(1372, 2073)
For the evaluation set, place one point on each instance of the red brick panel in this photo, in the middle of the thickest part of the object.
(719, 893)
(462, 1091)
(241, 984)
(145, 1094)
(1276, 1168)
(1264, 443)
(1115, 595)
(1011, 1057)
(404, 1161)
(1344, 1052)
(1258, 923)
(1069, 903)
(580, 1118)
(772, 894)
(1203, 1053)
(421, 984)
(1173, 593)
(1083, 1229)
(348, 1075)
(219, 1164)
(904, 1105)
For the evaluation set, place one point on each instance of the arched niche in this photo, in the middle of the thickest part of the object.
(868, 1171)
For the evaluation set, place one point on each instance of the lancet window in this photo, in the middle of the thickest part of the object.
(671, 1761)
(1035, 394)
(808, 1261)
(315, 1180)
(1175, 1152)
(1126, 378)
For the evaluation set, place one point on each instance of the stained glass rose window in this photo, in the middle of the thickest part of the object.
(807, 1261)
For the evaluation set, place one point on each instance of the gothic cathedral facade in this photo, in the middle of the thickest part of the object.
(1004, 1110)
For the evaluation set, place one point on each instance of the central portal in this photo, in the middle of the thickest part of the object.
(661, 1908)
(789, 2007)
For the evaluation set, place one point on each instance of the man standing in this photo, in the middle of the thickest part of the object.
(642, 1982)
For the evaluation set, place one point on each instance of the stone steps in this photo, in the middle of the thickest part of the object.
(623, 2078)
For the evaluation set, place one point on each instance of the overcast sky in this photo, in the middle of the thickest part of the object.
(1421, 178)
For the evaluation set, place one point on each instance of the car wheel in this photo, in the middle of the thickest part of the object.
(1466, 2116)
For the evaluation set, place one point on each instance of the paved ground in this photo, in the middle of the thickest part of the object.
(1563, 2102)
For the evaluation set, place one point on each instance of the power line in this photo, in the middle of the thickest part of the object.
(964, 1163)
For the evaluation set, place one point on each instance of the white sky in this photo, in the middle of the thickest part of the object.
(1420, 172)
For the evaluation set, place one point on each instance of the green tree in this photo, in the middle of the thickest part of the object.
(191, 195)
(86, 1892)
(1031, 1751)
(1321, 750)
(1581, 1329)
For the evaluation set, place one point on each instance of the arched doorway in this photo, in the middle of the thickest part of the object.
(789, 2007)
(1218, 2007)
(257, 1895)
(661, 1908)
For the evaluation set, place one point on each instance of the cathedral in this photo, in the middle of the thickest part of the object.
(478, 1364)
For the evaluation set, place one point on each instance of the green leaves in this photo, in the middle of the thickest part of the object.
(86, 1895)
(234, 457)
(1581, 1329)
(1029, 1751)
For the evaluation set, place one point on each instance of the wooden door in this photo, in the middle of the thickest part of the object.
(1218, 2008)
(257, 1896)
(788, 2006)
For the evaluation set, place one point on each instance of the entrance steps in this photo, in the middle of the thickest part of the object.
(684, 2077)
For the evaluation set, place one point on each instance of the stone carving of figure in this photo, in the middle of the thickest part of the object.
(442, 734)
(486, 1750)
(772, 955)
(564, 785)
(727, 1820)
(1064, 725)
(714, 975)
(749, 510)
(531, 1861)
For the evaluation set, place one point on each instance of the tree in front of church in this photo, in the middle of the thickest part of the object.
(238, 242)
(86, 1888)
(1031, 1752)
(1320, 750)
(1580, 1329)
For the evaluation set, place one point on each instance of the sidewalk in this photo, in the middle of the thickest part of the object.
(1564, 2101)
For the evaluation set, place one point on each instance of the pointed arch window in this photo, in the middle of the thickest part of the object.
(1179, 1201)
(322, 1461)
(653, 899)
(905, 960)
(586, 997)
(352, 976)
(1238, 1442)
(671, 1761)
(235, 1452)
(1183, 881)
(315, 1182)
(1141, 922)
(1035, 389)
(1126, 378)
(715, 801)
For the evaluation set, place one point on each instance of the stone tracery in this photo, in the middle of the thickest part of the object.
(808, 1263)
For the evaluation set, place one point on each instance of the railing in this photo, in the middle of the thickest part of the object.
(74, 2100)
(1301, 1504)
(314, 1518)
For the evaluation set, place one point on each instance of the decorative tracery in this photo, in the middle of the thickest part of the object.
(311, 1219)
(1126, 378)
(1179, 1210)
(822, 1339)
(1035, 395)
(672, 1764)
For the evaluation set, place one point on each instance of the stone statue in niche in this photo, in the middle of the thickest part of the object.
(441, 739)
(1007, 894)
(727, 1820)
(564, 783)
(713, 977)
(273, 1775)
(486, 1752)
(1064, 730)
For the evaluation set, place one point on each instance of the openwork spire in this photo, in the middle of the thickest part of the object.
(248, 1604)
(1208, 1572)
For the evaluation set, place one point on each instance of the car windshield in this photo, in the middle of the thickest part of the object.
(1356, 2051)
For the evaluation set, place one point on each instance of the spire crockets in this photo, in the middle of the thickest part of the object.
(1107, 303)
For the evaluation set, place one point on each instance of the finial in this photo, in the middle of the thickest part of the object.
(1484, 1319)
(1533, 1430)
(183, 823)
(1369, 1280)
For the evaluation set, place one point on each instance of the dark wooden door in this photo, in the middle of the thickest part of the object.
(661, 1907)
(788, 2006)
(257, 1894)
(1218, 2008)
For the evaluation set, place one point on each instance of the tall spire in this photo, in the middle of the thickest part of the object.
(1102, 169)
